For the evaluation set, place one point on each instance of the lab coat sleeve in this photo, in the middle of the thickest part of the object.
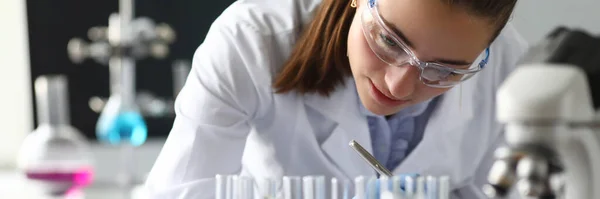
(512, 47)
(223, 92)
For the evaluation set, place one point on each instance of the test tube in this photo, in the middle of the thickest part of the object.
(384, 184)
(444, 187)
(346, 191)
(409, 186)
(396, 187)
(229, 187)
(387, 195)
(235, 181)
(308, 184)
(431, 187)
(359, 187)
(292, 187)
(269, 189)
(221, 184)
(372, 188)
(420, 191)
(334, 188)
(320, 187)
(245, 188)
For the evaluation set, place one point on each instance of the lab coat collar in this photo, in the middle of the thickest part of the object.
(445, 130)
(341, 107)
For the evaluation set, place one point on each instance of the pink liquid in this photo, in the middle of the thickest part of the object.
(65, 182)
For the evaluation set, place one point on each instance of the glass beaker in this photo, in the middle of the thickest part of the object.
(55, 156)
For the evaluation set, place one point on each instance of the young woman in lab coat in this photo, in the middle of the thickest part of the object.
(280, 87)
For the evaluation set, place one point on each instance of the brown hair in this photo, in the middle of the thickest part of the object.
(319, 62)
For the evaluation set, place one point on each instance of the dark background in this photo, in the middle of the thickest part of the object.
(52, 23)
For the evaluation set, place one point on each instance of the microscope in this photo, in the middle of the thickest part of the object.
(548, 107)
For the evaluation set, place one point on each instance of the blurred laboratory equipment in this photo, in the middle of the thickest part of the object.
(149, 104)
(55, 157)
(320, 187)
(125, 40)
(548, 106)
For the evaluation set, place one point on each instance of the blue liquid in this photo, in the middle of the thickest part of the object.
(126, 127)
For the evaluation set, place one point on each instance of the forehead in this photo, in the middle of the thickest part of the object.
(436, 28)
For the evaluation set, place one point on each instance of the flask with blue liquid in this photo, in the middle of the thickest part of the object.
(121, 123)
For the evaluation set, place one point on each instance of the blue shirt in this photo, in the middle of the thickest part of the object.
(395, 137)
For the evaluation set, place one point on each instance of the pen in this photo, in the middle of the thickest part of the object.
(370, 159)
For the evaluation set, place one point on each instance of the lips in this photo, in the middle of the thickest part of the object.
(382, 98)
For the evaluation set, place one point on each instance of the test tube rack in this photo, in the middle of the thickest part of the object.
(319, 187)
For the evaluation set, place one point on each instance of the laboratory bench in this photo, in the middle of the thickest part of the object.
(12, 184)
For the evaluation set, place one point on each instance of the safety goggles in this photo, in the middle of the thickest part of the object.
(389, 48)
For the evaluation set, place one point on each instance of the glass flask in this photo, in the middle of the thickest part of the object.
(121, 123)
(55, 157)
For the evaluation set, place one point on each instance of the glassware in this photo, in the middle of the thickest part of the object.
(55, 156)
(316, 187)
(121, 123)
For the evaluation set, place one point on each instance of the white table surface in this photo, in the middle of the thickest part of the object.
(14, 186)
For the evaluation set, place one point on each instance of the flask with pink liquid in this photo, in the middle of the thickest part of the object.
(55, 157)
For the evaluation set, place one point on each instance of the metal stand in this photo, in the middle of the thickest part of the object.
(125, 38)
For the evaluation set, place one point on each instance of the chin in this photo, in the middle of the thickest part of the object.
(383, 111)
(377, 109)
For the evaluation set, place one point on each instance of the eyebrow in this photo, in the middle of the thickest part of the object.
(411, 45)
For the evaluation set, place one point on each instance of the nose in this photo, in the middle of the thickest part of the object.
(402, 81)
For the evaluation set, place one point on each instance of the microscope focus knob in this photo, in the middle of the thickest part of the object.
(531, 188)
(500, 179)
(533, 167)
(534, 173)
(502, 175)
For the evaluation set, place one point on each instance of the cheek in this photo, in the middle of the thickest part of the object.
(426, 92)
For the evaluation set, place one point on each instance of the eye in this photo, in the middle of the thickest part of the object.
(446, 73)
(387, 39)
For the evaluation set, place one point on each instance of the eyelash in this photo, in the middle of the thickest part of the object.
(453, 73)
(388, 41)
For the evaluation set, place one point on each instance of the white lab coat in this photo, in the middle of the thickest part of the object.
(230, 121)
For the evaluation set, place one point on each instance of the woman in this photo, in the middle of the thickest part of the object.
(280, 87)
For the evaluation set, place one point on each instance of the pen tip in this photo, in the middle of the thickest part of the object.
(352, 143)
